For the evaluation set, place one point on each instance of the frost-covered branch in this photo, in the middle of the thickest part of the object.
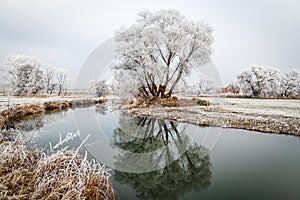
(159, 48)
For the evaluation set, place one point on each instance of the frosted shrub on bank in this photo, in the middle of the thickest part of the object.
(27, 173)
(24, 74)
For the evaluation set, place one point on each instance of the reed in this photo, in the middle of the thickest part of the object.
(28, 173)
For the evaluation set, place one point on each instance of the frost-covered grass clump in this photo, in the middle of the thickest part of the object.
(28, 173)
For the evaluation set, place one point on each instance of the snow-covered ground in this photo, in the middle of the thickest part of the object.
(283, 107)
(264, 115)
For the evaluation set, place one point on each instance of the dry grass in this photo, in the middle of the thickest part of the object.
(57, 105)
(50, 105)
(166, 102)
(2, 122)
(201, 102)
(27, 173)
(17, 113)
(17, 165)
(30, 109)
(22, 111)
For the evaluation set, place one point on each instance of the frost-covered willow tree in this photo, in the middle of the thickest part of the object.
(99, 87)
(291, 84)
(261, 81)
(49, 79)
(206, 85)
(24, 73)
(63, 80)
(159, 50)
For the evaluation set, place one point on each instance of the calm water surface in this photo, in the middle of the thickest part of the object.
(160, 159)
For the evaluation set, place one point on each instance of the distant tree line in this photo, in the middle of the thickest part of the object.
(256, 81)
(99, 87)
(28, 75)
(268, 82)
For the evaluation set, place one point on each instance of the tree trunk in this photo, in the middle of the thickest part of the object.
(176, 81)
(51, 90)
(154, 90)
(161, 91)
(169, 94)
(59, 91)
(143, 92)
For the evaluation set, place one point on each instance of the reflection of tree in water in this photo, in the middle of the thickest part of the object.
(140, 134)
(37, 123)
(30, 125)
(190, 173)
(101, 108)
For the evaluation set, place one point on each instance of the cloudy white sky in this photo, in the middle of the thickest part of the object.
(64, 32)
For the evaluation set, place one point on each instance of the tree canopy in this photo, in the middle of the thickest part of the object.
(160, 49)
(269, 82)
(24, 73)
(30, 76)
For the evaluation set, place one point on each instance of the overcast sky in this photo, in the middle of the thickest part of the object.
(63, 33)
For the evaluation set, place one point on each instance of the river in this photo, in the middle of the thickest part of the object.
(154, 158)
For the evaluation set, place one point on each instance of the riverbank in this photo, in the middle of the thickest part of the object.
(27, 172)
(34, 107)
(263, 116)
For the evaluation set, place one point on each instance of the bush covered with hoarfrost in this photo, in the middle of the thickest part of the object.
(28, 173)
